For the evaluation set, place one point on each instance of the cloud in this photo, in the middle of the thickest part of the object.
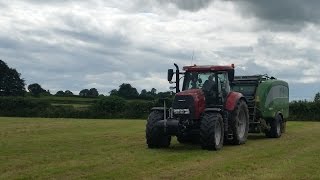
(281, 15)
(101, 44)
(189, 5)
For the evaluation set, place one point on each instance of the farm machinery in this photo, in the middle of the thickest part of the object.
(215, 108)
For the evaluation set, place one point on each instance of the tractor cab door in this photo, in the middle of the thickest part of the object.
(223, 86)
(219, 90)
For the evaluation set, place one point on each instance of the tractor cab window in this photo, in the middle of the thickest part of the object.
(199, 80)
(223, 85)
(215, 85)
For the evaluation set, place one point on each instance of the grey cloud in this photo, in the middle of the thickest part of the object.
(281, 14)
(3, 5)
(189, 5)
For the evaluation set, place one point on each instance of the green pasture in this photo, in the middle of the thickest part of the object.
(115, 149)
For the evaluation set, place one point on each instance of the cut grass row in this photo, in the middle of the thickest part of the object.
(114, 149)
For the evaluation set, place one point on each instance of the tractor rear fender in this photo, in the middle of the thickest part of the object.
(232, 100)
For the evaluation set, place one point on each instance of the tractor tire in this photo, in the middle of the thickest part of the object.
(155, 136)
(275, 130)
(239, 123)
(211, 131)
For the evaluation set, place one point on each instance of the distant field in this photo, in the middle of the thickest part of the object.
(76, 102)
(115, 149)
(68, 99)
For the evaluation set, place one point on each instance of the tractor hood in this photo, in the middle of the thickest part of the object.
(192, 99)
(195, 93)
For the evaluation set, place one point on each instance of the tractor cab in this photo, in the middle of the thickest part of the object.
(213, 81)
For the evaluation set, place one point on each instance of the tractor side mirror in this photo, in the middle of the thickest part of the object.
(170, 74)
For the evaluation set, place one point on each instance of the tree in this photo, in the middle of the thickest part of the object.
(317, 97)
(127, 91)
(113, 92)
(93, 92)
(84, 93)
(35, 89)
(60, 93)
(167, 94)
(153, 91)
(68, 93)
(10, 82)
(143, 93)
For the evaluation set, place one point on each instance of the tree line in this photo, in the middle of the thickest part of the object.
(124, 102)
(11, 84)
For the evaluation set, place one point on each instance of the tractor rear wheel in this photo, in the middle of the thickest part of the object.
(156, 138)
(211, 131)
(275, 130)
(240, 123)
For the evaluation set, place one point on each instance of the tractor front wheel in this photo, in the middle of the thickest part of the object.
(211, 131)
(156, 138)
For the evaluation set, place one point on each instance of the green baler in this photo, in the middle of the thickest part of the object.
(268, 103)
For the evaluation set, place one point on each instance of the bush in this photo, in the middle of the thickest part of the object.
(109, 107)
(22, 107)
(138, 109)
(304, 111)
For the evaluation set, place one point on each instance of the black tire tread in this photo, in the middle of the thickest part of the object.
(236, 140)
(272, 133)
(155, 137)
(207, 129)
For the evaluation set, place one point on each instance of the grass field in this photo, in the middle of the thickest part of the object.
(115, 149)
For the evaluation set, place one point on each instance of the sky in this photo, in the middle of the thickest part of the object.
(73, 45)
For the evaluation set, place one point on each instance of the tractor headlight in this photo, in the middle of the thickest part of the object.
(181, 111)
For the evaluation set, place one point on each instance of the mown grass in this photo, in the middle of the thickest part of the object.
(115, 149)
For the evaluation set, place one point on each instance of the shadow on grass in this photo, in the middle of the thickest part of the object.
(257, 137)
(176, 146)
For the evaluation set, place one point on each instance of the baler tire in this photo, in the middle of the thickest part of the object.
(154, 135)
(211, 131)
(239, 137)
(275, 130)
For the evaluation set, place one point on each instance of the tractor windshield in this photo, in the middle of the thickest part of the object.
(200, 80)
(215, 85)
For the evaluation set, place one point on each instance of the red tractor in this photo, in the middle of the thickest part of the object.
(205, 111)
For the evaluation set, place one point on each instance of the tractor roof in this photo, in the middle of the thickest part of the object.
(196, 68)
